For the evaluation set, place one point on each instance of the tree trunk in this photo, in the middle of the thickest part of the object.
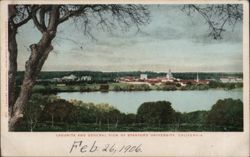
(12, 47)
(52, 120)
(31, 126)
(108, 123)
(100, 123)
(39, 53)
(116, 124)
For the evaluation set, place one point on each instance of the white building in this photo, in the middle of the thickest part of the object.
(86, 78)
(69, 78)
(231, 80)
(143, 76)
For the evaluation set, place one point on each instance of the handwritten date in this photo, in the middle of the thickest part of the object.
(80, 146)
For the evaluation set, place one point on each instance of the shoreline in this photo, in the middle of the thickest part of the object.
(117, 87)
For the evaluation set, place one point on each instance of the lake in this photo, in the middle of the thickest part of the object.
(183, 101)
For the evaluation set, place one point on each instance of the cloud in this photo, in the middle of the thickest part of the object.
(172, 40)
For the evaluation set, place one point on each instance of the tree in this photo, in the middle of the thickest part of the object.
(114, 115)
(47, 18)
(82, 112)
(34, 109)
(226, 113)
(129, 118)
(195, 117)
(18, 16)
(58, 110)
(103, 112)
(160, 112)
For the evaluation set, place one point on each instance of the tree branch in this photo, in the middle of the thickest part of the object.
(25, 20)
(73, 13)
(35, 20)
(42, 17)
(217, 16)
(54, 18)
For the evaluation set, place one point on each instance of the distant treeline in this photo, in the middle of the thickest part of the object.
(50, 113)
(106, 77)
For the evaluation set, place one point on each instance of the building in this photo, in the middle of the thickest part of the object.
(154, 81)
(143, 77)
(204, 82)
(86, 78)
(57, 79)
(169, 75)
(197, 78)
(168, 80)
(69, 78)
(126, 79)
(231, 80)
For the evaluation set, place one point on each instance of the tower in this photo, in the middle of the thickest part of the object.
(197, 78)
(169, 75)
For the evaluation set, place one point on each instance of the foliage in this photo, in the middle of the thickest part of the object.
(58, 110)
(217, 84)
(82, 112)
(90, 113)
(50, 113)
(34, 110)
(227, 112)
(129, 118)
(156, 112)
(196, 117)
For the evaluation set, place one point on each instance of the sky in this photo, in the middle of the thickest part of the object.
(172, 40)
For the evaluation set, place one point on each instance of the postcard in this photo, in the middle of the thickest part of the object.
(124, 78)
